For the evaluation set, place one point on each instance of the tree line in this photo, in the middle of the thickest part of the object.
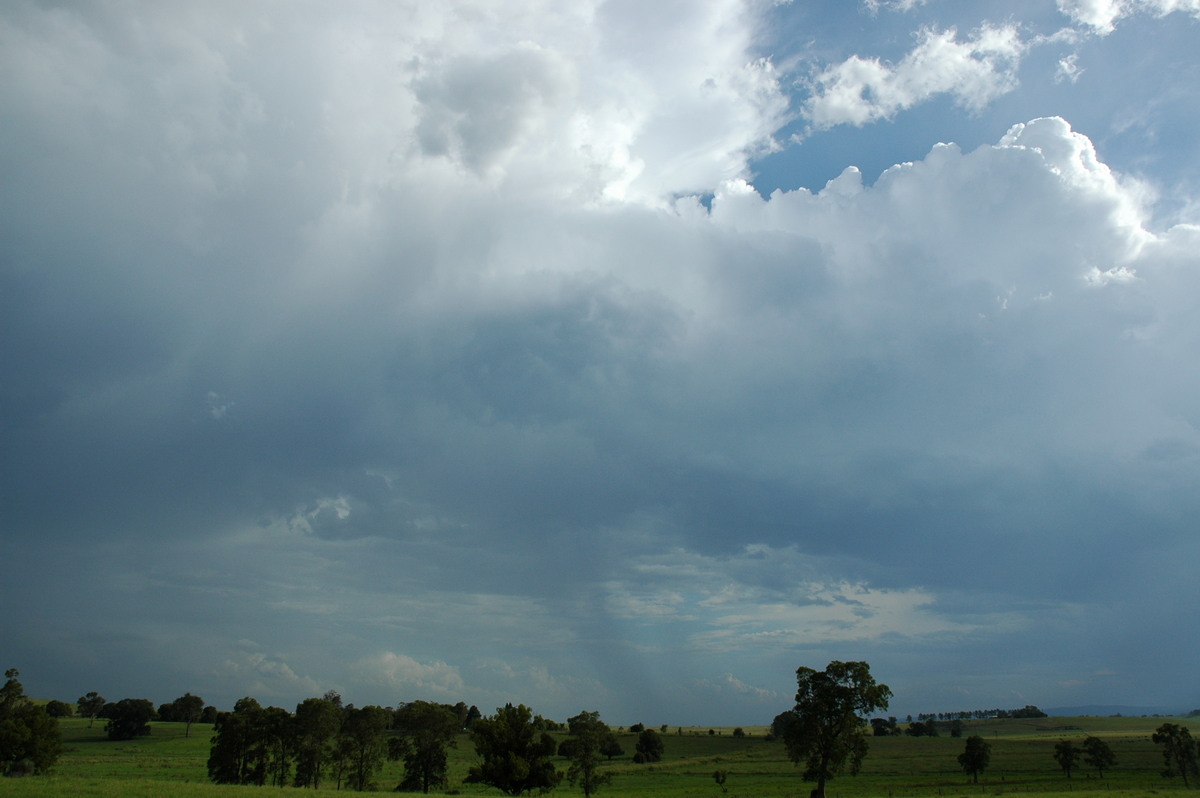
(1027, 711)
(324, 742)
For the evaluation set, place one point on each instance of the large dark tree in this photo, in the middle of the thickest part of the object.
(976, 757)
(30, 741)
(828, 730)
(361, 745)
(426, 731)
(278, 731)
(1179, 750)
(239, 752)
(589, 734)
(317, 723)
(90, 706)
(514, 757)
(1097, 754)
(129, 718)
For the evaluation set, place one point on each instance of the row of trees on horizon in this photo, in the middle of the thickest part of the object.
(325, 741)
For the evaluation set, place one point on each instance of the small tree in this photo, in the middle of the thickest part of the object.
(1066, 755)
(649, 747)
(588, 734)
(59, 709)
(1097, 754)
(1179, 752)
(827, 730)
(976, 757)
(129, 718)
(610, 746)
(90, 706)
(719, 776)
(187, 709)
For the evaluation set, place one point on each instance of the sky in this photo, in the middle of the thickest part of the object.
(601, 354)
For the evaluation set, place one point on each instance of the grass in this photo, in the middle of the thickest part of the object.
(168, 763)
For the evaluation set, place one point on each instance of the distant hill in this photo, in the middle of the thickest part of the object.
(1108, 710)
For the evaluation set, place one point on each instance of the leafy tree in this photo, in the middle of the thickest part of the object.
(30, 742)
(426, 731)
(976, 757)
(59, 709)
(239, 753)
(278, 730)
(827, 732)
(781, 724)
(188, 709)
(1066, 754)
(611, 746)
(514, 755)
(90, 706)
(361, 745)
(719, 776)
(1179, 751)
(1028, 711)
(649, 747)
(129, 718)
(588, 733)
(1097, 754)
(317, 722)
(739, 732)
(926, 728)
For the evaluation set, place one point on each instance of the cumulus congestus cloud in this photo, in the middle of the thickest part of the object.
(442, 353)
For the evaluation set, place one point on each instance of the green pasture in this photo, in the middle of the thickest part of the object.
(167, 763)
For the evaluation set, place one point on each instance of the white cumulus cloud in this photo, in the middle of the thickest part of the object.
(974, 71)
(1102, 16)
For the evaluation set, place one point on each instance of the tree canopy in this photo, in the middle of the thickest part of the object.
(976, 757)
(129, 718)
(827, 730)
(589, 735)
(426, 730)
(649, 747)
(30, 742)
(1179, 751)
(1097, 753)
(514, 756)
(90, 706)
(1066, 754)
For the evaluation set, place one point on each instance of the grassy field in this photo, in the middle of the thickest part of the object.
(167, 763)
